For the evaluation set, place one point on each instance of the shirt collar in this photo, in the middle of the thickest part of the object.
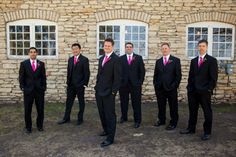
(130, 55)
(31, 61)
(167, 57)
(108, 55)
(202, 55)
(77, 56)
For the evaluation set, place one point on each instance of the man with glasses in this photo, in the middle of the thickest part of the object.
(32, 79)
(133, 73)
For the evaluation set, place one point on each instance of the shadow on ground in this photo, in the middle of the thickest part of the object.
(70, 140)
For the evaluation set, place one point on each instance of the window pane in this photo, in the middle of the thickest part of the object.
(38, 44)
(109, 29)
(26, 44)
(19, 36)
(222, 31)
(45, 51)
(52, 44)
(190, 37)
(38, 29)
(12, 36)
(12, 51)
(204, 30)
(116, 36)
(45, 36)
(52, 52)
(20, 52)
(101, 28)
(198, 30)
(38, 36)
(190, 30)
(52, 28)
(19, 28)
(135, 29)
(26, 28)
(229, 31)
(52, 36)
(45, 28)
(228, 38)
(142, 29)
(12, 29)
(142, 37)
(116, 28)
(19, 44)
(102, 36)
(45, 44)
(12, 44)
(128, 29)
(26, 36)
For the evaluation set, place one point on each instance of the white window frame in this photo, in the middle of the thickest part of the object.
(210, 26)
(122, 24)
(31, 23)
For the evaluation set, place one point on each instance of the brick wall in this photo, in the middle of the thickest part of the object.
(77, 22)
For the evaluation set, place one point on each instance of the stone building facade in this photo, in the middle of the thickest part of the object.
(53, 25)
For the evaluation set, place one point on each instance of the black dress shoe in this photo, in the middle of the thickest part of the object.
(103, 134)
(157, 124)
(206, 137)
(136, 125)
(63, 121)
(170, 127)
(79, 122)
(122, 120)
(27, 131)
(106, 143)
(187, 131)
(40, 129)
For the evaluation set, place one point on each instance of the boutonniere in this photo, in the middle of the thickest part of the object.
(204, 60)
(169, 61)
(77, 60)
(38, 65)
(133, 59)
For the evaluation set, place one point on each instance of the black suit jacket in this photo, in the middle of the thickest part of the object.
(203, 78)
(30, 80)
(83, 72)
(167, 77)
(133, 73)
(108, 76)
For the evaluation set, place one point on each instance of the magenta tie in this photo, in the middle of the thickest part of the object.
(129, 60)
(200, 62)
(165, 60)
(75, 60)
(33, 65)
(105, 60)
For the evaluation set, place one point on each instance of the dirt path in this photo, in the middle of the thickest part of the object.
(70, 140)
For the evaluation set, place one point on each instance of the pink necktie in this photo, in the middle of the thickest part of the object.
(75, 60)
(105, 60)
(165, 60)
(33, 65)
(129, 60)
(200, 62)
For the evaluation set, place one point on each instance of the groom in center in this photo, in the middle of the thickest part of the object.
(107, 85)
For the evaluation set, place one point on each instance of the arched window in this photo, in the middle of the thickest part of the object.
(122, 31)
(220, 36)
(23, 34)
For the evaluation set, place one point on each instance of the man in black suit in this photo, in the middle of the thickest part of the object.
(167, 77)
(77, 79)
(202, 80)
(132, 77)
(32, 79)
(107, 85)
